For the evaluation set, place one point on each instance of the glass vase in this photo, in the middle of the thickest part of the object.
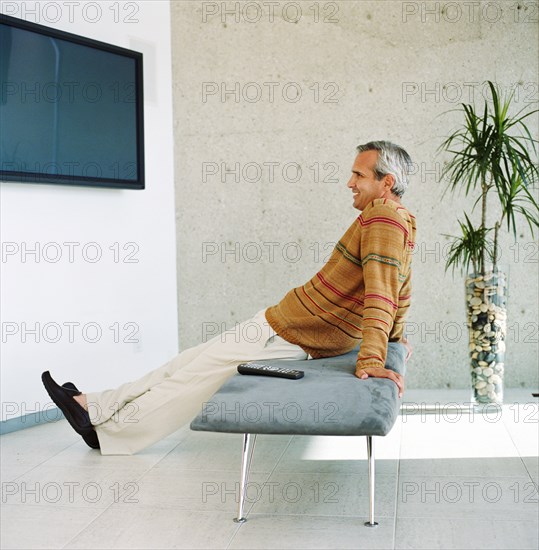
(486, 307)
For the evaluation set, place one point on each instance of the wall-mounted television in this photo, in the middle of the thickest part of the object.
(71, 109)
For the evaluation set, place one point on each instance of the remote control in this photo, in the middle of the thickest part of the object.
(268, 370)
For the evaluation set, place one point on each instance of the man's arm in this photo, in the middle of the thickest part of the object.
(383, 241)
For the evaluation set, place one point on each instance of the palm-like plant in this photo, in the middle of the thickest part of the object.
(472, 245)
(491, 151)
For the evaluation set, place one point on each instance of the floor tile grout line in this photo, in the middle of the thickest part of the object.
(162, 472)
(355, 517)
(475, 476)
(112, 503)
(320, 473)
(178, 443)
(386, 516)
(112, 468)
(143, 474)
(271, 470)
(517, 449)
(397, 491)
(249, 509)
(86, 526)
(43, 462)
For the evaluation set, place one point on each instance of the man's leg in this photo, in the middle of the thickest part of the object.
(103, 405)
(182, 389)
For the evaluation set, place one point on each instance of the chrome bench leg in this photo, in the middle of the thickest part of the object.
(370, 457)
(249, 441)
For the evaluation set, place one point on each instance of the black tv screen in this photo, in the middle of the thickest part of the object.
(71, 109)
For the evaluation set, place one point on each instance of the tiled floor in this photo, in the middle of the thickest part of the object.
(443, 481)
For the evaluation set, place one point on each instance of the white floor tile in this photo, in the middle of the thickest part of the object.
(474, 466)
(27, 448)
(80, 455)
(465, 534)
(222, 451)
(72, 487)
(344, 454)
(476, 497)
(263, 531)
(202, 490)
(151, 528)
(522, 422)
(532, 465)
(28, 527)
(328, 494)
(453, 435)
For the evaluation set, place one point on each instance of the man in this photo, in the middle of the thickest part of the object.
(362, 293)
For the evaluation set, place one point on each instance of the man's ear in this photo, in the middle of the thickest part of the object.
(389, 181)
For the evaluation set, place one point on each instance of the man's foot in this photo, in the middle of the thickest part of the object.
(76, 415)
(78, 396)
(91, 438)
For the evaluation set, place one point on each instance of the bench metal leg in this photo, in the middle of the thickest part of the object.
(370, 457)
(249, 441)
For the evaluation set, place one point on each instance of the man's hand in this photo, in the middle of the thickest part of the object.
(381, 372)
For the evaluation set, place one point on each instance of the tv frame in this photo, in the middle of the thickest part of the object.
(86, 181)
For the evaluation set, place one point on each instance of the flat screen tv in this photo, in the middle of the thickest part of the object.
(71, 109)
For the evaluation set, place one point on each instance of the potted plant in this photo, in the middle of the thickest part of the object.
(490, 153)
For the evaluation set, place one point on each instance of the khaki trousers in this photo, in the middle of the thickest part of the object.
(137, 414)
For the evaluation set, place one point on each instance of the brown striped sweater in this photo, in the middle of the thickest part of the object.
(362, 293)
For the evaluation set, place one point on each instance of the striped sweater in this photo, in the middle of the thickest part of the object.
(361, 294)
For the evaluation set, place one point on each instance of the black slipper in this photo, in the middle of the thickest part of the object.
(72, 388)
(91, 437)
(75, 414)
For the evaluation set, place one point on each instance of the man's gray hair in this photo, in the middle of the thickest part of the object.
(393, 160)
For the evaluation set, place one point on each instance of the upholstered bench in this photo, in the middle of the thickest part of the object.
(328, 400)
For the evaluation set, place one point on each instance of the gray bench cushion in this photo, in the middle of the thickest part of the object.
(328, 400)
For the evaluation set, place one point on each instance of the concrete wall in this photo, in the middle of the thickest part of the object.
(264, 89)
(138, 300)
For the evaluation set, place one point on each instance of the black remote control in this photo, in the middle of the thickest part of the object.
(268, 370)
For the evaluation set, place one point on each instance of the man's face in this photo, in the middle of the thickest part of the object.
(364, 184)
